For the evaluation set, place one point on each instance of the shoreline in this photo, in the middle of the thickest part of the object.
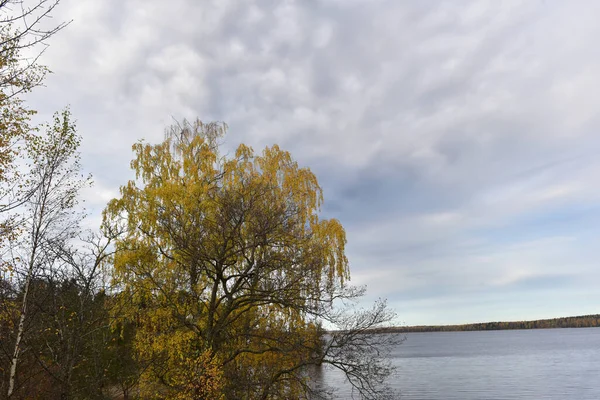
(582, 321)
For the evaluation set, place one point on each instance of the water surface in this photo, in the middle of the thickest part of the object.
(513, 364)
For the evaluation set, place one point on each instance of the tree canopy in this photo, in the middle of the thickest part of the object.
(227, 267)
(23, 35)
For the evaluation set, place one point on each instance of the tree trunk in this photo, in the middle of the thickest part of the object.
(20, 329)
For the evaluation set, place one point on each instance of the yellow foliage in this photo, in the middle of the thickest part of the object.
(227, 254)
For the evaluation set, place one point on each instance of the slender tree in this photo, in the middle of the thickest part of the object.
(50, 219)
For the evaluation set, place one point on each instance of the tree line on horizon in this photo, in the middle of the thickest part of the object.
(582, 321)
(211, 276)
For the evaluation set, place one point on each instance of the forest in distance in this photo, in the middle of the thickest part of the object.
(581, 321)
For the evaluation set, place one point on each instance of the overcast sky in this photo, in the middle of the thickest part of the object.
(456, 141)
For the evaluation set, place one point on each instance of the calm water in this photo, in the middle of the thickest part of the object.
(518, 364)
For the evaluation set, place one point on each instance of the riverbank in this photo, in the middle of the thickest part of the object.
(582, 321)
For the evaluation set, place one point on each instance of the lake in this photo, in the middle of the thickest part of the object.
(513, 364)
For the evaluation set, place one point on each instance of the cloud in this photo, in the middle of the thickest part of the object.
(442, 133)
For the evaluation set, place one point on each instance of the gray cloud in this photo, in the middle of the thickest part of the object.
(448, 136)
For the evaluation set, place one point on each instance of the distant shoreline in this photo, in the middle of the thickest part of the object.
(582, 321)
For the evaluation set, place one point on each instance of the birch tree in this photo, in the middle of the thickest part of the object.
(49, 218)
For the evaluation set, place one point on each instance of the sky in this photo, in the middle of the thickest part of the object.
(456, 141)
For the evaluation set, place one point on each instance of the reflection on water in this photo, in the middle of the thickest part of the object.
(520, 364)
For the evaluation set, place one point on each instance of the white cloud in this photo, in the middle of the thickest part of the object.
(439, 130)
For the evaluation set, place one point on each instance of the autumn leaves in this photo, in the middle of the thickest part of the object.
(231, 261)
